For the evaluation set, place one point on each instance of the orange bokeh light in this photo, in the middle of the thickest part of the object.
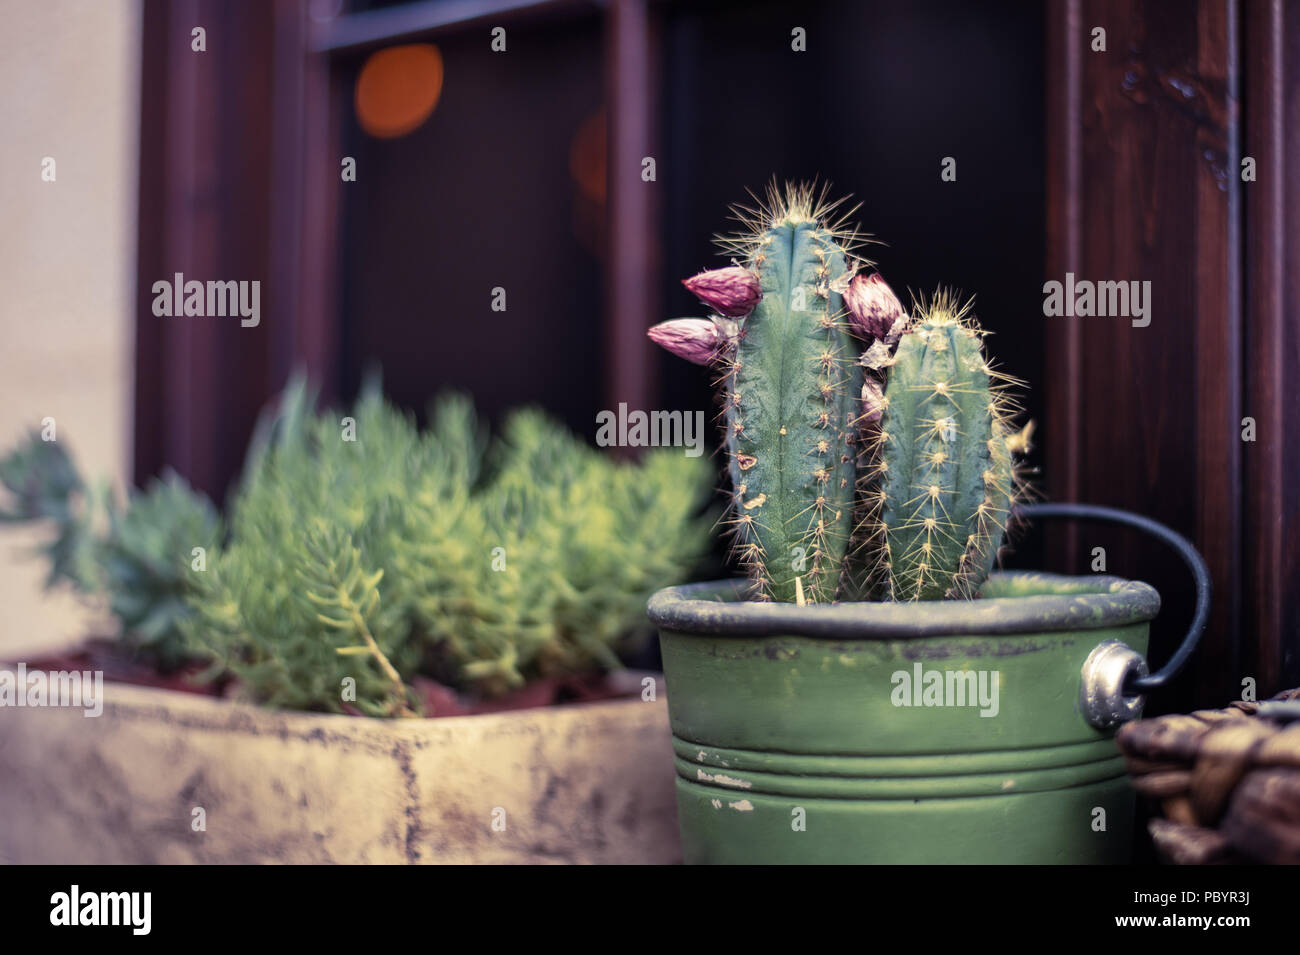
(398, 88)
(587, 156)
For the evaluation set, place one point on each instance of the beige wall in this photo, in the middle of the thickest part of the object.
(69, 74)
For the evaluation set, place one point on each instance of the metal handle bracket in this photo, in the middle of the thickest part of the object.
(1135, 681)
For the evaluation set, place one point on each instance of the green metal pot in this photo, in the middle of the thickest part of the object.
(941, 732)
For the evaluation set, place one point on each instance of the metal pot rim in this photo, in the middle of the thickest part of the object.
(1094, 602)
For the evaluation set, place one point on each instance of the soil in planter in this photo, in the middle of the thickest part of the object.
(106, 655)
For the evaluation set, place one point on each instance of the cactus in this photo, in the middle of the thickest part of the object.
(941, 480)
(790, 378)
(791, 386)
(838, 408)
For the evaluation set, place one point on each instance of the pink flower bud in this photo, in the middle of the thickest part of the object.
(731, 291)
(695, 339)
(873, 307)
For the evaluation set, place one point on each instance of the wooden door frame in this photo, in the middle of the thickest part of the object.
(1237, 333)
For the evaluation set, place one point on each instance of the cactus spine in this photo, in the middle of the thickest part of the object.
(943, 466)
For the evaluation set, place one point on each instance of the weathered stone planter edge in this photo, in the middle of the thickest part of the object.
(584, 782)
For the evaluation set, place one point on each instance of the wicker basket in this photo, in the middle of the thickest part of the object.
(1227, 782)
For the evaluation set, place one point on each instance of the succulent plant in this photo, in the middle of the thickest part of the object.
(483, 564)
(354, 566)
(149, 562)
(140, 556)
(44, 485)
(870, 452)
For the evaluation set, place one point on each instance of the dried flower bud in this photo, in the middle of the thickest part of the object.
(728, 330)
(731, 291)
(695, 339)
(873, 307)
(878, 355)
(873, 401)
(896, 333)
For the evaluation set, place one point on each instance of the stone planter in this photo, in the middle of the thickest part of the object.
(583, 783)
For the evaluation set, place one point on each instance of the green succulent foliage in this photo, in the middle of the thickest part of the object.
(289, 629)
(548, 568)
(481, 565)
(363, 551)
(306, 522)
(149, 565)
(45, 485)
(140, 557)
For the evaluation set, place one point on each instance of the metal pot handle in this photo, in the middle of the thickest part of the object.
(1115, 676)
